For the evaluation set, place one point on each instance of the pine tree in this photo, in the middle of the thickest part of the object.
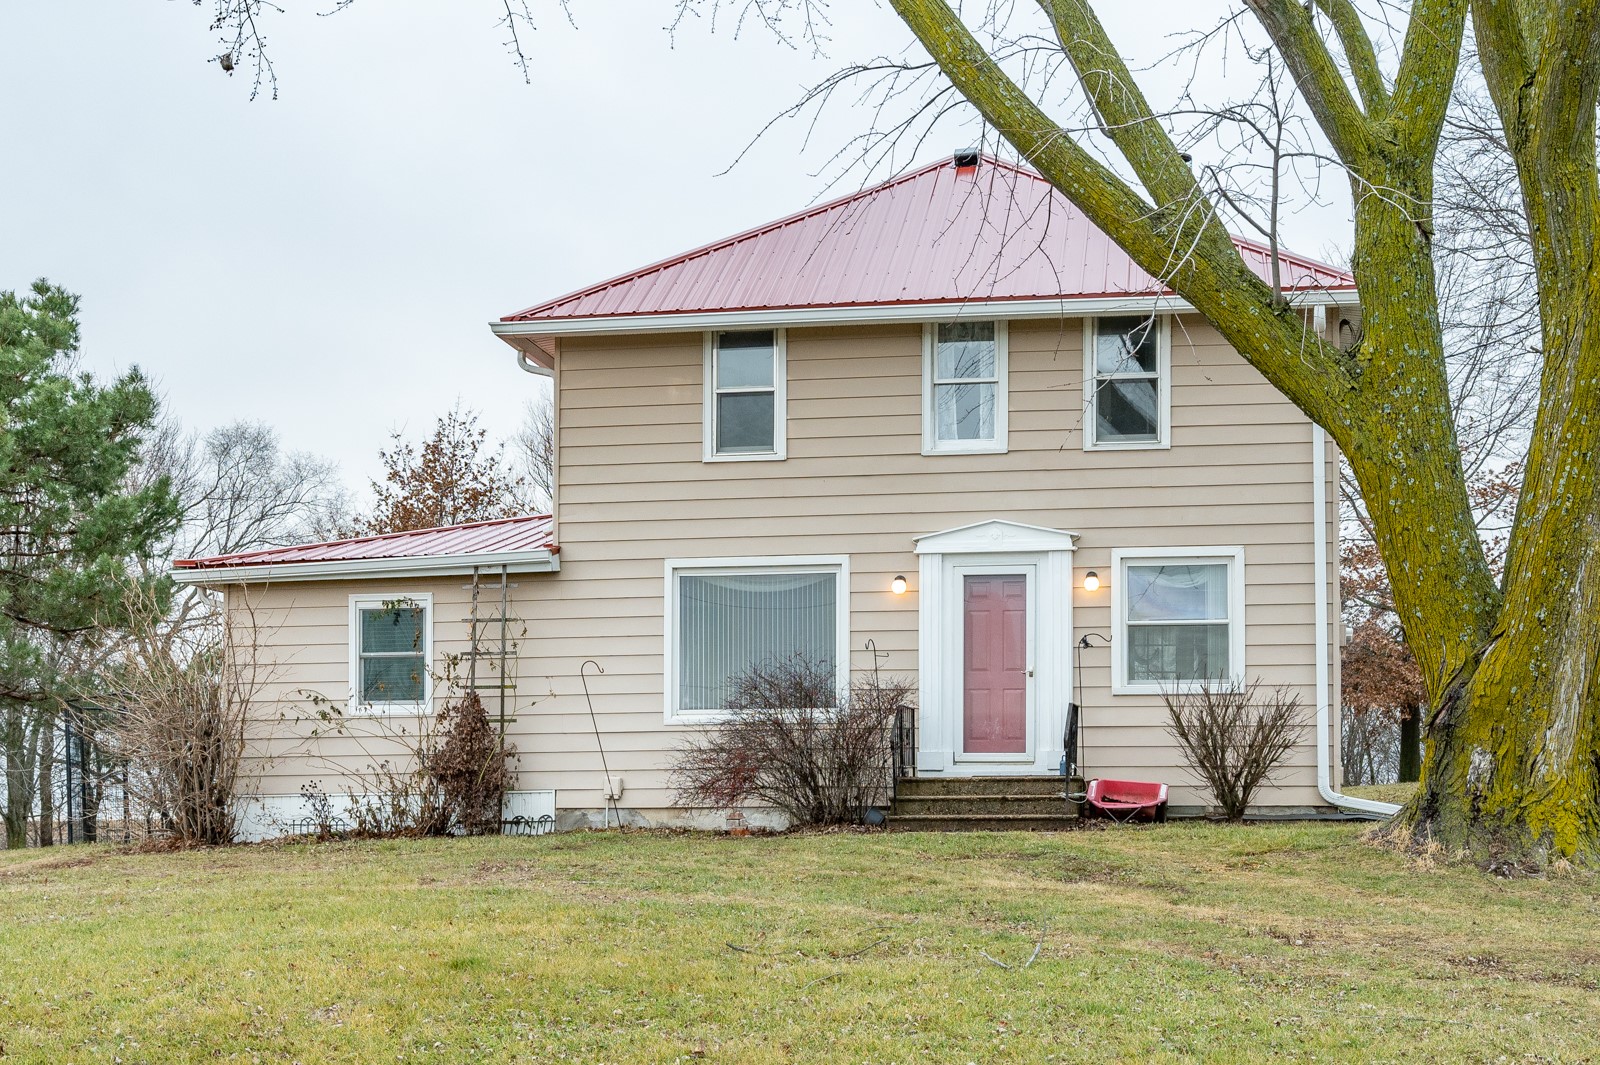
(69, 524)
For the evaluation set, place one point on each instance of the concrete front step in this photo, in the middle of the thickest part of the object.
(980, 823)
(1051, 785)
(946, 805)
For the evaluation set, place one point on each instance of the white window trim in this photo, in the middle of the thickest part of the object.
(931, 444)
(1163, 388)
(837, 564)
(1233, 557)
(780, 402)
(425, 601)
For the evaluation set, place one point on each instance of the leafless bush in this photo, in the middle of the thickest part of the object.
(471, 765)
(446, 775)
(183, 700)
(397, 798)
(1234, 738)
(797, 743)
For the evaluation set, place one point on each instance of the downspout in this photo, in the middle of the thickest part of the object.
(529, 366)
(1319, 524)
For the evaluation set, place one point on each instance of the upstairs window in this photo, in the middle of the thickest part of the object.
(744, 416)
(1179, 619)
(391, 643)
(1126, 382)
(964, 387)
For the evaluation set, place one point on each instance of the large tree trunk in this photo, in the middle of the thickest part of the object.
(1513, 765)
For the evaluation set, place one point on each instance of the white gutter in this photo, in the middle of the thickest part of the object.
(539, 561)
(875, 315)
(1319, 507)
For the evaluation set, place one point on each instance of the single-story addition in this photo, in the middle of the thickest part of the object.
(943, 427)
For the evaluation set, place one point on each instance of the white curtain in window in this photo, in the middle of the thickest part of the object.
(1178, 623)
(1178, 593)
(730, 622)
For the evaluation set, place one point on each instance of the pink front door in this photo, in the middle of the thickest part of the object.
(995, 664)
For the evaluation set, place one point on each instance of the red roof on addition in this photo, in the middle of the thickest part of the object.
(936, 235)
(529, 533)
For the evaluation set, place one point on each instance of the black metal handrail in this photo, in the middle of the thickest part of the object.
(902, 749)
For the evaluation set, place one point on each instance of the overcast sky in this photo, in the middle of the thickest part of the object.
(326, 262)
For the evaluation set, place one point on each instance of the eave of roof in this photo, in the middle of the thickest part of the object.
(543, 561)
(532, 339)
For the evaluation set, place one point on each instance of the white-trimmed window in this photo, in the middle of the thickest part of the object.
(1178, 616)
(1127, 382)
(964, 387)
(391, 650)
(745, 395)
(724, 616)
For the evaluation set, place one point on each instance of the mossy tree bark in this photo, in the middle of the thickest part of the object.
(1511, 764)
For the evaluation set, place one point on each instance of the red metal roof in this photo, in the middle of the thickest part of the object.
(937, 235)
(529, 533)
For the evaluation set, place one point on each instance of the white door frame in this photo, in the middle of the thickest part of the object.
(992, 546)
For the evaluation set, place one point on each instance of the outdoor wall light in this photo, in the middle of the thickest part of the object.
(898, 585)
(1091, 581)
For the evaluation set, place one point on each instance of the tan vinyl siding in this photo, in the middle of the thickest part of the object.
(633, 491)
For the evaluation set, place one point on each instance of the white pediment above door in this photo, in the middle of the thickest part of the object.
(995, 535)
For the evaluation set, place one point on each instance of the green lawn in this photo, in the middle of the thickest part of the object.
(1184, 942)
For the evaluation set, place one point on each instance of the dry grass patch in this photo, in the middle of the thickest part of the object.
(1399, 794)
(1179, 943)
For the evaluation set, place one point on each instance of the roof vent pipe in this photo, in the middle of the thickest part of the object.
(966, 157)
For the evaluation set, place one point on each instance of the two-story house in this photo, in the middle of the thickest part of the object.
(943, 427)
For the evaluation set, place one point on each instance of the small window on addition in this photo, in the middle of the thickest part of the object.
(391, 640)
(1125, 371)
(745, 395)
(964, 387)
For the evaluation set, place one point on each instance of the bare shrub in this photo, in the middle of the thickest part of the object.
(795, 742)
(322, 823)
(183, 698)
(397, 798)
(447, 775)
(471, 765)
(1234, 738)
